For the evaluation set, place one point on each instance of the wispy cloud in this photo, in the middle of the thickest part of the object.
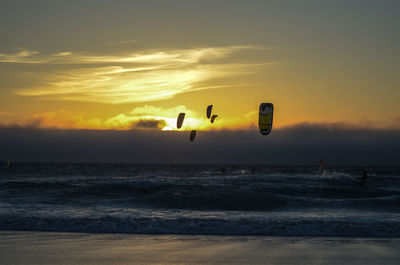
(124, 42)
(6, 113)
(131, 77)
(22, 56)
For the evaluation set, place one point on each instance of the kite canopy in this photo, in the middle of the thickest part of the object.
(209, 109)
(192, 135)
(265, 118)
(213, 118)
(180, 119)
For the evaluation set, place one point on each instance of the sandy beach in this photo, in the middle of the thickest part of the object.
(18, 247)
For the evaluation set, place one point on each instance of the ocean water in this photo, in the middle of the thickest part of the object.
(200, 199)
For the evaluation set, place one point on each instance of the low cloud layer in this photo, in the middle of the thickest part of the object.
(149, 124)
(143, 117)
(295, 145)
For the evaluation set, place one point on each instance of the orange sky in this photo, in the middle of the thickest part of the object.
(338, 65)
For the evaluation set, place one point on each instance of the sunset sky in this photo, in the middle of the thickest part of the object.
(130, 64)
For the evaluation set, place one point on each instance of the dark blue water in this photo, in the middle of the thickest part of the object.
(201, 199)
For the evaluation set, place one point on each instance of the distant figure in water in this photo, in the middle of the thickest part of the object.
(321, 167)
(9, 162)
(364, 175)
(223, 170)
(253, 170)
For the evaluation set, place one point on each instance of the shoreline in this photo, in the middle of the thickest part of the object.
(105, 233)
(29, 247)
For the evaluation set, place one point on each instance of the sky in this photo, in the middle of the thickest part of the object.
(134, 65)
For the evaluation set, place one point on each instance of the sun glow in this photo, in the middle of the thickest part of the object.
(146, 117)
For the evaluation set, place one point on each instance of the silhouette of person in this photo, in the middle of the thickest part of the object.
(364, 175)
(321, 167)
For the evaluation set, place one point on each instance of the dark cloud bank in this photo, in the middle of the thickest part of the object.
(149, 124)
(297, 145)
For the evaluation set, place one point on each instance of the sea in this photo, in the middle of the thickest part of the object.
(288, 200)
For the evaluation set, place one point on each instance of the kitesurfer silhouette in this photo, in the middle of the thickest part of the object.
(321, 167)
(364, 175)
(9, 162)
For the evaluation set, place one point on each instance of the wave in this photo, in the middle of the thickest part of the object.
(240, 195)
(205, 226)
(200, 199)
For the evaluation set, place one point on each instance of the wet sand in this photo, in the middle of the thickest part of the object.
(18, 247)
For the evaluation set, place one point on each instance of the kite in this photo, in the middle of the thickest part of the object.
(192, 135)
(209, 109)
(265, 118)
(180, 119)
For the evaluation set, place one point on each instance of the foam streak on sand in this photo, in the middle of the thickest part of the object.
(76, 248)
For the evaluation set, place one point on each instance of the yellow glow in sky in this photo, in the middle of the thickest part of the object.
(136, 78)
(140, 77)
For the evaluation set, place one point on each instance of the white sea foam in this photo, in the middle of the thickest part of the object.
(200, 199)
